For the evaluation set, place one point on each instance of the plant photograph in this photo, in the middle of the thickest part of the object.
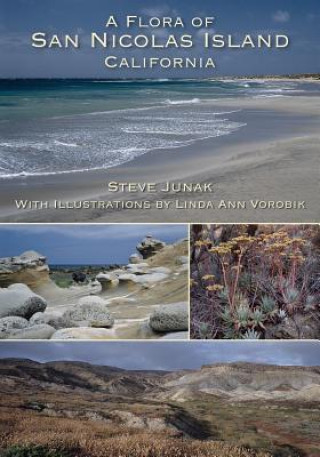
(255, 281)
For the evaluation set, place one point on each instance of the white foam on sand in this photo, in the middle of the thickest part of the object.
(192, 101)
(70, 145)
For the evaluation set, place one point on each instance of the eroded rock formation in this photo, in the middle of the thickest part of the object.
(29, 268)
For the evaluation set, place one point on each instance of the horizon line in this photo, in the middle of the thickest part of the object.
(205, 365)
(157, 79)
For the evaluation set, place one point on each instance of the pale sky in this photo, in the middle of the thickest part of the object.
(167, 355)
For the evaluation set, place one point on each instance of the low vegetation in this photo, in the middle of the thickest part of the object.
(71, 409)
(255, 281)
(33, 436)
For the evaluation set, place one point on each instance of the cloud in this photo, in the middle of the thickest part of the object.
(84, 244)
(281, 16)
(167, 355)
(106, 232)
(156, 11)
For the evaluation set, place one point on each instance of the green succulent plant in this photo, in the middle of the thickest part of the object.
(224, 295)
(230, 334)
(282, 314)
(241, 300)
(268, 304)
(257, 317)
(243, 315)
(227, 317)
(204, 330)
(245, 281)
(309, 303)
(291, 294)
(251, 334)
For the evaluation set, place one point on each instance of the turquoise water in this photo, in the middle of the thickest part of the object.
(61, 126)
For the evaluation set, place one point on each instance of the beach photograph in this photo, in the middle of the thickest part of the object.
(62, 282)
(80, 142)
(255, 281)
(151, 399)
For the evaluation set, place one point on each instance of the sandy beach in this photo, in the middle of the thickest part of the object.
(275, 158)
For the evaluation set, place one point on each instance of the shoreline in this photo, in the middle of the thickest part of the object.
(261, 160)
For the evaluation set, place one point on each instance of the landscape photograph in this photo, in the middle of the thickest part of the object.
(249, 127)
(94, 282)
(255, 281)
(152, 399)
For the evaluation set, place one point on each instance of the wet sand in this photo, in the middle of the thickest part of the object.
(274, 158)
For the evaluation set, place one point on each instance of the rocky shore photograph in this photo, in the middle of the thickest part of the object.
(258, 281)
(94, 282)
(143, 399)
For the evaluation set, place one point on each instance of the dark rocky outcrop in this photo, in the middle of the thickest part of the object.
(79, 277)
(149, 246)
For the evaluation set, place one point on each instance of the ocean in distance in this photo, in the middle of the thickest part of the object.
(52, 127)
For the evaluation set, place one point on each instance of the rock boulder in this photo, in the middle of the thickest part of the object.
(33, 332)
(19, 300)
(54, 319)
(89, 314)
(11, 323)
(170, 318)
(135, 258)
(149, 246)
(107, 280)
(182, 259)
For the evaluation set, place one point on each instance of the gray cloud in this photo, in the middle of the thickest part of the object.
(167, 355)
(85, 243)
(106, 232)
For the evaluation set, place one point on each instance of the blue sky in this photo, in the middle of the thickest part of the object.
(166, 355)
(83, 244)
(19, 18)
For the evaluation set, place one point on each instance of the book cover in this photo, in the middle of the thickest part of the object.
(159, 228)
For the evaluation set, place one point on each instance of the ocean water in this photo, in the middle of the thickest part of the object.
(62, 126)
